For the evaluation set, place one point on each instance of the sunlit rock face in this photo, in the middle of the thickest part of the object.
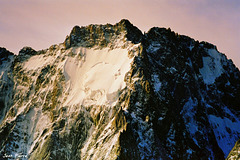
(111, 92)
(235, 152)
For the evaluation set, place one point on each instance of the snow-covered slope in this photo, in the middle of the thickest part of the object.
(212, 67)
(98, 77)
(110, 92)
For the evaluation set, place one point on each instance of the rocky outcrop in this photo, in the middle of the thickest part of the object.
(4, 54)
(103, 35)
(235, 152)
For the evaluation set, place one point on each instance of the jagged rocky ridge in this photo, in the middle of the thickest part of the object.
(111, 92)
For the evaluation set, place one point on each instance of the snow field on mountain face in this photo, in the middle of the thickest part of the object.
(98, 75)
(212, 67)
(225, 130)
(37, 61)
(92, 77)
(188, 113)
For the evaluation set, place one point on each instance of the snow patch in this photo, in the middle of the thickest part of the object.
(212, 67)
(191, 47)
(153, 47)
(188, 113)
(37, 61)
(157, 84)
(226, 131)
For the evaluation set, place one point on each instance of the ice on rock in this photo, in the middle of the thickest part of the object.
(212, 67)
(157, 83)
(226, 131)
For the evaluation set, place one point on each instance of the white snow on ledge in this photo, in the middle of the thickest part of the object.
(212, 67)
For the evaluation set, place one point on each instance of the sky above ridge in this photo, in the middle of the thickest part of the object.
(41, 23)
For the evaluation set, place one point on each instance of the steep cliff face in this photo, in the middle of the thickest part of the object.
(6, 83)
(110, 92)
(184, 103)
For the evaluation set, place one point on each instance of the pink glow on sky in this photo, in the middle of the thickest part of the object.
(41, 23)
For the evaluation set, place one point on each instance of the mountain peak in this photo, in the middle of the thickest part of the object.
(113, 93)
(133, 33)
(4, 53)
(103, 35)
(76, 30)
(125, 22)
(27, 51)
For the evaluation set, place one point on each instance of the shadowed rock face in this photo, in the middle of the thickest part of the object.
(6, 83)
(110, 92)
(186, 117)
(4, 54)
